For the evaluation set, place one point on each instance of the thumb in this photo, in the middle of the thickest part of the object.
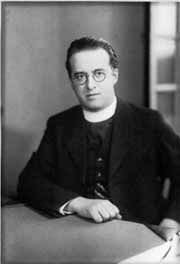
(118, 216)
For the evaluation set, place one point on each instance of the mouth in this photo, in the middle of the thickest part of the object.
(92, 95)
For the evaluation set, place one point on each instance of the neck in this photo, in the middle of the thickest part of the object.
(101, 115)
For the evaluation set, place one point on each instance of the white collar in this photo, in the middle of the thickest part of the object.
(101, 115)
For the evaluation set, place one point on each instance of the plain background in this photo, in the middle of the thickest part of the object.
(35, 84)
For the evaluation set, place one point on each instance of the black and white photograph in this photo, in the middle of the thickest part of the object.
(90, 132)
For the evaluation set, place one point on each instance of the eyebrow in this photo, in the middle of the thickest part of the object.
(78, 72)
(83, 72)
(98, 69)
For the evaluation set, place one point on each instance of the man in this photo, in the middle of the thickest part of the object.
(106, 158)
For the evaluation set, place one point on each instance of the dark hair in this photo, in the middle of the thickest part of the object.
(88, 43)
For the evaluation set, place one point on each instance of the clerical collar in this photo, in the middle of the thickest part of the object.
(101, 115)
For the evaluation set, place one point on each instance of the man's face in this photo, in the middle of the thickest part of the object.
(93, 78)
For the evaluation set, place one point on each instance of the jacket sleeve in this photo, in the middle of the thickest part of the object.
(170, 168)
(36, 186)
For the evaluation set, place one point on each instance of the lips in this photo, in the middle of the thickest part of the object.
(92, 95)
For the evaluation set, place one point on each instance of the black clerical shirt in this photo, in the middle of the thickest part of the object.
(98, 148)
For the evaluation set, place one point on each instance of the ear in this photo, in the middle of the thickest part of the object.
(115, 74)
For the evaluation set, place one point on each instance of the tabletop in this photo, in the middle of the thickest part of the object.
(30, 237)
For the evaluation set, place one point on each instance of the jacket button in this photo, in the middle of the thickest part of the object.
(99, 159)
(99, 174)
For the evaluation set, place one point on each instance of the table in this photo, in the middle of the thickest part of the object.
(30, 237)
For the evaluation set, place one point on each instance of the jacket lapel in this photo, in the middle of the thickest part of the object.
(121, 137)
(75, 142)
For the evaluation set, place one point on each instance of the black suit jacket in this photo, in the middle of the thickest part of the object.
(144, 151)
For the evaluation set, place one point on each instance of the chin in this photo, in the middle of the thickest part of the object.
(94, 107)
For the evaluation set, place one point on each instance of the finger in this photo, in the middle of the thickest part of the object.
(112, 209)
(169, 233)
(108, 211)
(116, 211)
(96, 216)
(118, 216)
(164, 232)
(105, 214)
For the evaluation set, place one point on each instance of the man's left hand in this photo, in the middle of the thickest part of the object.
(168, 228)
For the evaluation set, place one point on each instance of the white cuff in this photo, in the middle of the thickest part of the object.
(64, 211)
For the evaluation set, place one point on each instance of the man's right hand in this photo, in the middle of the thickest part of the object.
(97, 209)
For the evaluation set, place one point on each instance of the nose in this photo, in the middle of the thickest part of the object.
(91, 84)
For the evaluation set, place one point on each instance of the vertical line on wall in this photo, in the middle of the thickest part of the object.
(146, 54)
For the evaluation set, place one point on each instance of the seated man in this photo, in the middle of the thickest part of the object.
(104, 158)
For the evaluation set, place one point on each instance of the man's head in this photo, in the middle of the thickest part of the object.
(92, 66)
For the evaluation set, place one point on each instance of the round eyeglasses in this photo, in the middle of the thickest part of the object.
(80, 78)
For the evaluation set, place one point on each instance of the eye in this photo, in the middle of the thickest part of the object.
(99, 75)
(79, 76)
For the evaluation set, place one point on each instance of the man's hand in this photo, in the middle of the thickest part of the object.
(168, 228)
(96, 209)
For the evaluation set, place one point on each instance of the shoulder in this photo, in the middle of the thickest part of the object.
(140, 113)
(151, 122)
(145, 114)
(142, 117)
(65, 116)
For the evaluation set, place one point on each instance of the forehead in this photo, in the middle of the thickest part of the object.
(88, 60)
